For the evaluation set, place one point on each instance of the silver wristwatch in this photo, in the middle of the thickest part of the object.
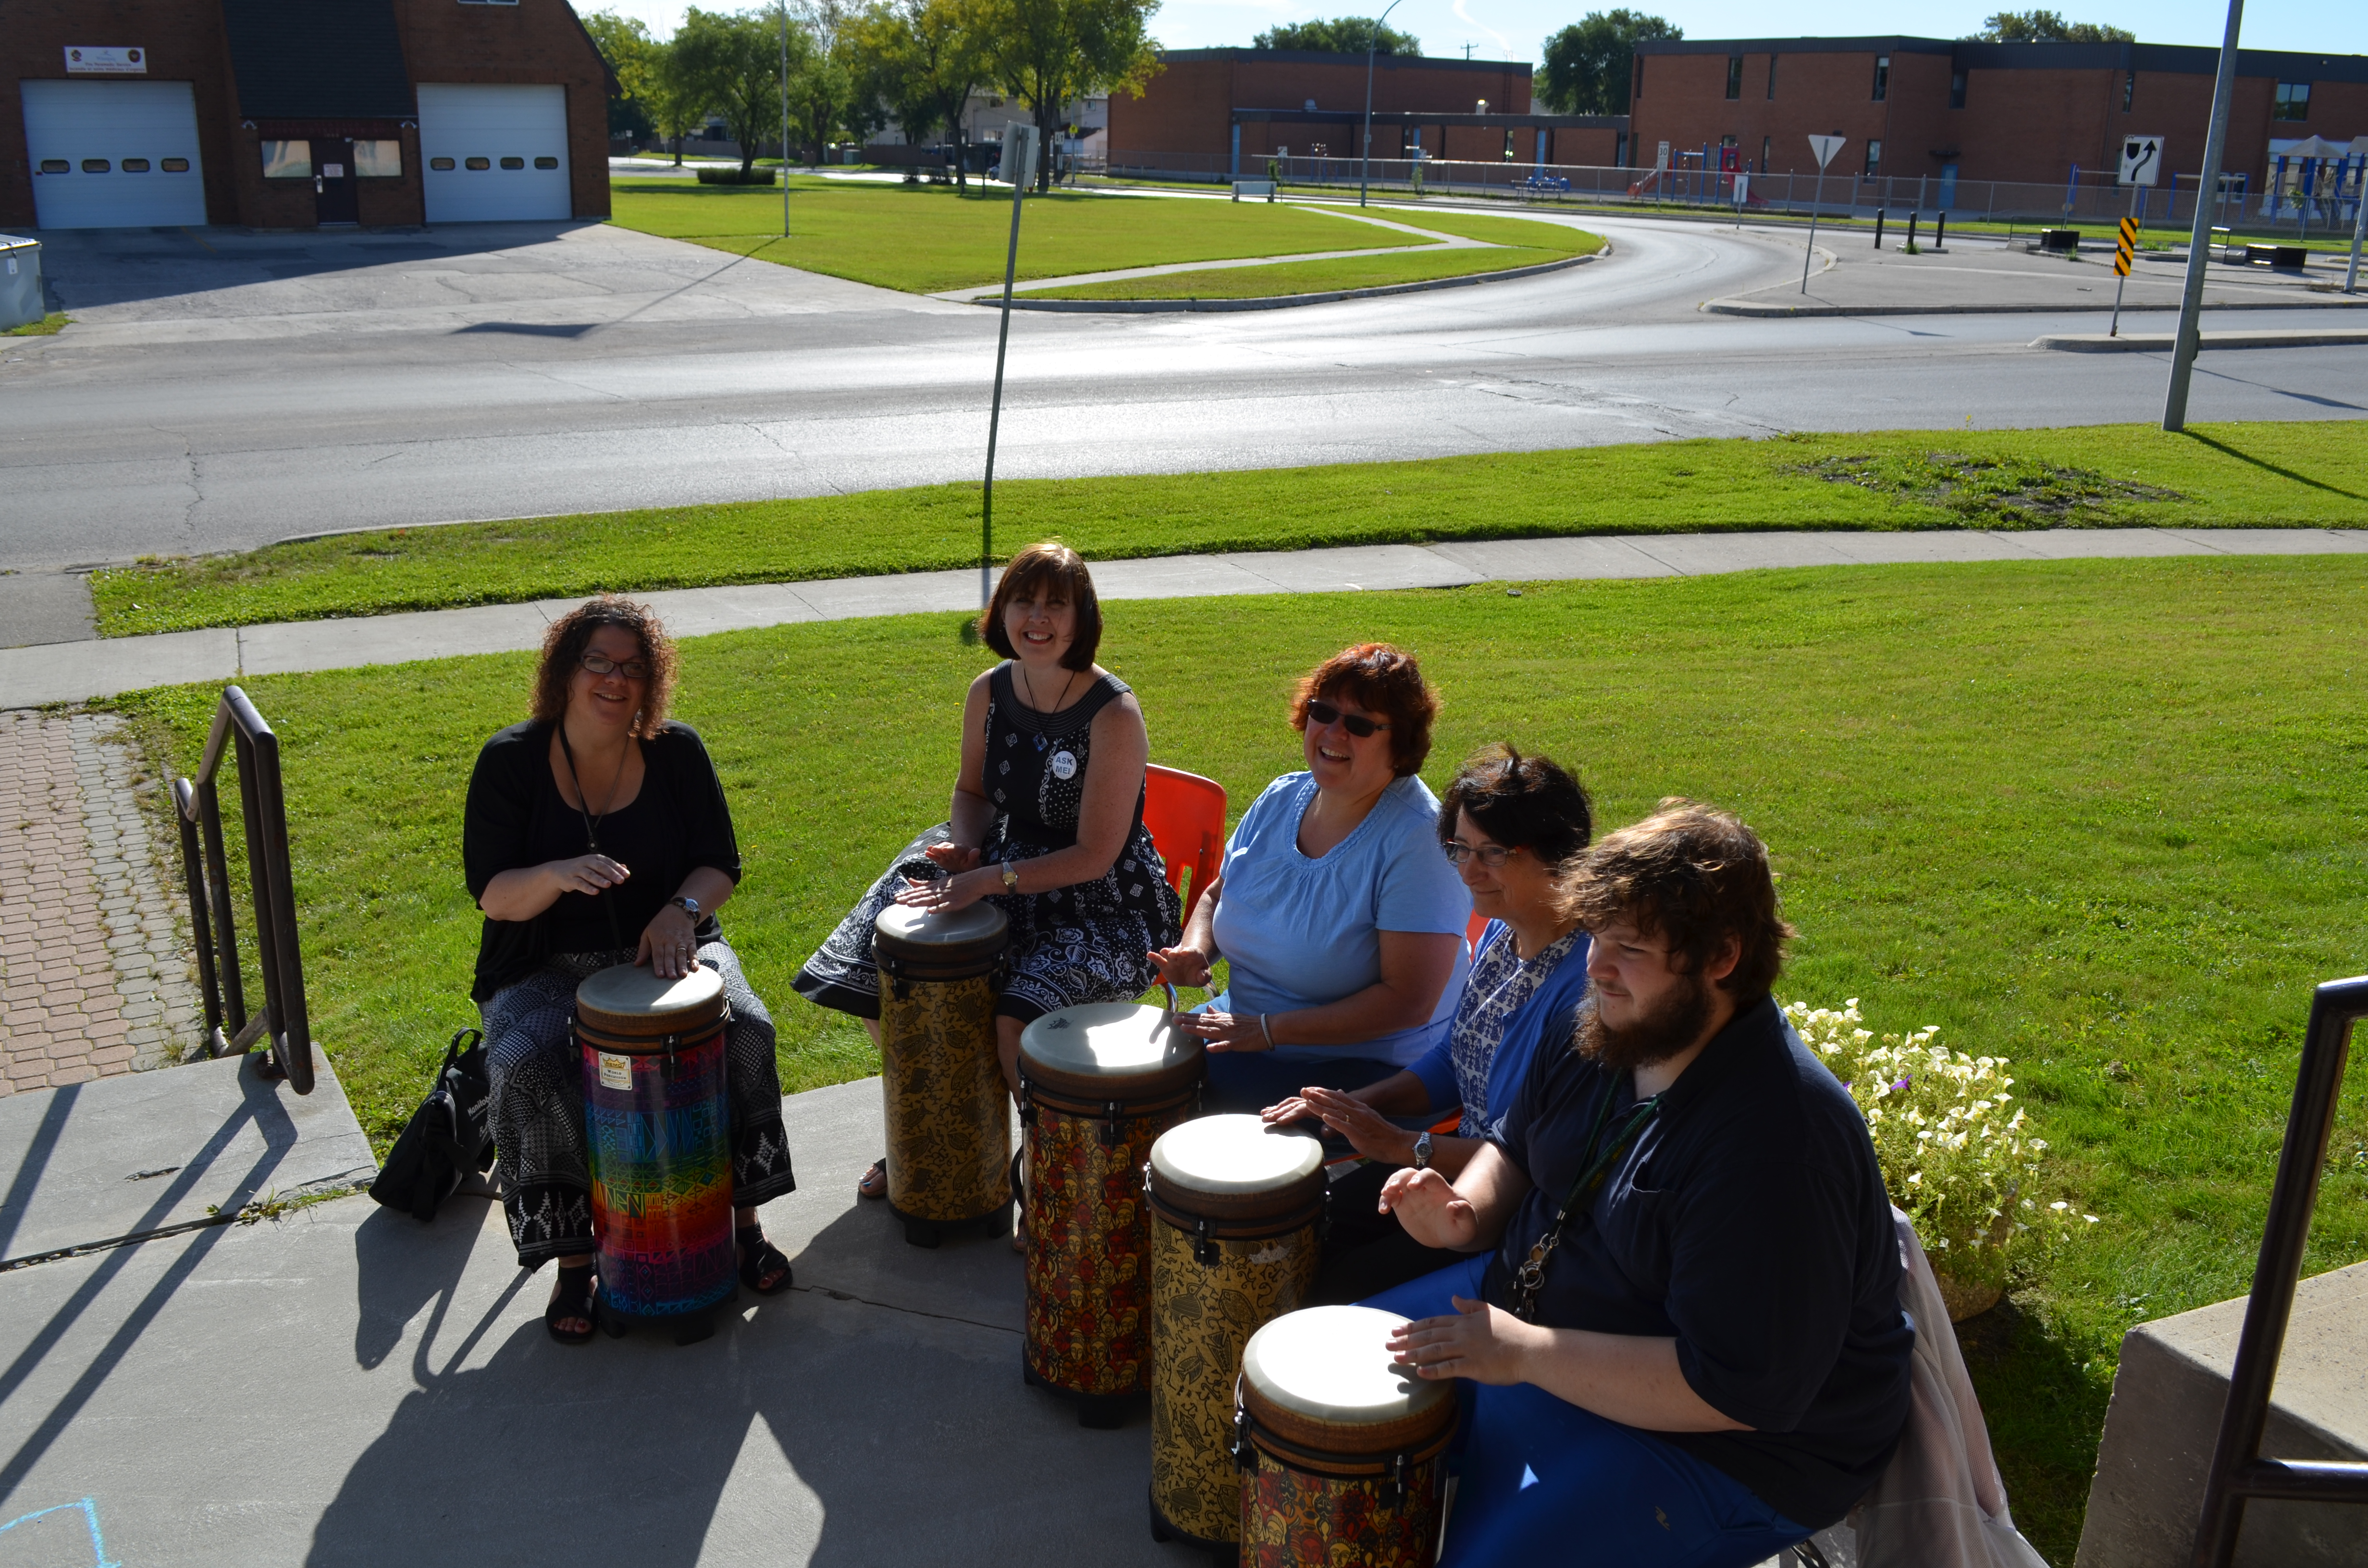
(1422, 1150)
(689, 906)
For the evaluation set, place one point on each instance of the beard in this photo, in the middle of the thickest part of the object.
(1671, 1026)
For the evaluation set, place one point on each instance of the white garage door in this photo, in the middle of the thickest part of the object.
(114, 155)
(492, 154)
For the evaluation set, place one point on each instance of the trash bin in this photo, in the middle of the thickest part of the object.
(2060, 242)
(21, 299)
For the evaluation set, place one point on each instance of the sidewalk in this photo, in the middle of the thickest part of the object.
(80, 672)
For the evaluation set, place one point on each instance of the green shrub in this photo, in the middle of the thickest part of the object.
(736, 176)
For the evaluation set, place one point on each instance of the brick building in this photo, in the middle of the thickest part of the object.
(295, 114)
(1981, 111)
(1234, 104)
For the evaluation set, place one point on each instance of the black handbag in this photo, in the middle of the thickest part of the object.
(450, 1135)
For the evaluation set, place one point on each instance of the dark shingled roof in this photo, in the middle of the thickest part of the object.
(318, 59)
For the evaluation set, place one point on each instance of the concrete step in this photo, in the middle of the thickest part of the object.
(2164, 1419)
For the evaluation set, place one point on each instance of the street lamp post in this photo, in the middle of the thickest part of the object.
(1365, 165)
(785, 118)
(2199, 244)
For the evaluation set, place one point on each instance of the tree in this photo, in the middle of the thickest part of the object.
(679, 101)
(2046, 27)
(1588, 63)
(1342, 35)
(736, 62)
(1046, 53)
(821, 87)
(634, 59)
(921, 60)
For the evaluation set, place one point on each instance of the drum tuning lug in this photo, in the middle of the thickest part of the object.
(1204, 1246)
(1112, 1114)
(1393, 1491)
(1244, 1451)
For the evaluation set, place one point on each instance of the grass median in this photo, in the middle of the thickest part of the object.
(2102, 818)
(923, 239)
(2291, 473)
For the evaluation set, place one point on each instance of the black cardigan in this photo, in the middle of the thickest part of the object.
(516, 817)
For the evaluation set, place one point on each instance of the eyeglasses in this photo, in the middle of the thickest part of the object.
(601, 665)
(1491, 855)
(1356, 724)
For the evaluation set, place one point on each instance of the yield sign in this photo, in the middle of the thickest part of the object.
(1825, 147)
(2141, 160)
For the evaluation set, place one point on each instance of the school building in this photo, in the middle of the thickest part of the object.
(1957, 110)
(299, 114)
(1218, 107)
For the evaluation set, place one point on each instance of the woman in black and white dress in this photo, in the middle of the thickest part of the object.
(1046, 820)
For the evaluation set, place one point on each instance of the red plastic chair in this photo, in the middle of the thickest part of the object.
(1186, 814)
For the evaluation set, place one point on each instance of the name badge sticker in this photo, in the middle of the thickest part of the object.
(616, 1072)
(1064, 765)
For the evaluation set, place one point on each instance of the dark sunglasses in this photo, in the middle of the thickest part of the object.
(1356, 724)
(601, 665)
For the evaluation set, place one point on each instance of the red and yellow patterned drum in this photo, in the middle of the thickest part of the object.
(1340, 1448)
(1237, 1213)
(948, 1112)
(1099, 1084)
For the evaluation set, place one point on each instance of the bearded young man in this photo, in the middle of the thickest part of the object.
(1681, 1333)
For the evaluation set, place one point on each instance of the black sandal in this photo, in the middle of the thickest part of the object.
(759, 1257)
(873, 1183)
(572, 1299)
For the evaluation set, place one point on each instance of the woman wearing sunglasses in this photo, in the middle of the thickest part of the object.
(596, 833)
(1341, 922)
(1510, 825)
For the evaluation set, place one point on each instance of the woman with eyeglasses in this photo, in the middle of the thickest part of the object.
(1341, 924)
(1510, 824)
(596, 833)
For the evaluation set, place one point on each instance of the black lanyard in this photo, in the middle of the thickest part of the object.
(1594, 1169)
(591, 825)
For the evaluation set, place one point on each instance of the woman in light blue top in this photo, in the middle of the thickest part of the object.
(1342, 923)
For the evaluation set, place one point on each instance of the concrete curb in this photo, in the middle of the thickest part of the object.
(1748, 308)
(2162, 342)
(1289, 301)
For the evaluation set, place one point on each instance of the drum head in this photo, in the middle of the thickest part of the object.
(631, 999)
(1109, 1051)
(962, 936)
(1330, 1367)
(1232, 1156)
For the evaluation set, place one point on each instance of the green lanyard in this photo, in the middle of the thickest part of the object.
(1597, 1168)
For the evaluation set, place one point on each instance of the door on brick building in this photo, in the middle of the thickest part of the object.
(113, 155)
(337, 193)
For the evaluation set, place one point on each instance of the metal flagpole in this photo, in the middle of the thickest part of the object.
(2199, 244)
(1019, 156)
(1365, 165)
(785, 118)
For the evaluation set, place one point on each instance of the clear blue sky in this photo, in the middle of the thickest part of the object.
(1499, 29)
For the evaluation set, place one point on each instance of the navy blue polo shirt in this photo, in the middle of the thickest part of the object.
(1748, 1221)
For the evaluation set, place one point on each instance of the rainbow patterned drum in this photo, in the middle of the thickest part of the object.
(658, 1125)
(947, 1109)
(1339, 1449)
(1237, 1213)
(1098, 1086)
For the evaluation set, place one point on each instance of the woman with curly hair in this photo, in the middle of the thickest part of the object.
(596, 833)
(1342, 922)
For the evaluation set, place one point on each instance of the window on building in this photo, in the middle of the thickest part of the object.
(381, 158)
(1734, 75)
(1771, 75)
(176, 166)
(94, 166)
(2293, 102)
(56, 167)
(135, 165)
(1767, 154)
(1956, 89)
(1873, 156)
(548, 162)
(287, 159)
(2129, 89)
(513, 163)
(1882, 77)
(476, 163)
(1638, 91)
(441, 165)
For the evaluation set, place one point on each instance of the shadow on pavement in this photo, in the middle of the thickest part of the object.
(89, 268)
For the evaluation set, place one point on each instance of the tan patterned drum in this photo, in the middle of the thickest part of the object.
(1237, 1213)
(1340, 1448)
(948, 1112)
(1098, 1086)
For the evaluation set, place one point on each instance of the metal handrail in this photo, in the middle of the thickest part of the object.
(262, 810)
(2239, 1471)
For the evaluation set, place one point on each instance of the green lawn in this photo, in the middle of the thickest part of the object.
(923, 238)
(2108, 819)
(2303, 473)
(1306, 277)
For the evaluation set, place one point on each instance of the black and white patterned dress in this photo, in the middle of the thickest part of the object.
(1082, 943)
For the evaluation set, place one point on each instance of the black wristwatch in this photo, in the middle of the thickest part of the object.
(1422, 1150)
(689, 906)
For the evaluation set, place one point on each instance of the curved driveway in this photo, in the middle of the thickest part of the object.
(225, 389)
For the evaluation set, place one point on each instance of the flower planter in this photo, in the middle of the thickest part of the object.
(1964, 1300)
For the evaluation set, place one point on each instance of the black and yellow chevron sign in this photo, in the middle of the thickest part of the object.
(2125, 247)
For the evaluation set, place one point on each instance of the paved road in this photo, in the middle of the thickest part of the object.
(226, 389)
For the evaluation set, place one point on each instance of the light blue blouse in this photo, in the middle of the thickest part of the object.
(1302, 933)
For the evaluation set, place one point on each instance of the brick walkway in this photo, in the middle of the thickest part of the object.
(94, 975)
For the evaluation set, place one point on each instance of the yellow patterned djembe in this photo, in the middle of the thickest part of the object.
(1098, 1085)
(1237, 1213)
(1340, 1447)
(948, 1112)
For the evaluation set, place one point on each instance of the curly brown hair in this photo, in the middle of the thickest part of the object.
(1696, 876)
(564, 645)
(1379, 679)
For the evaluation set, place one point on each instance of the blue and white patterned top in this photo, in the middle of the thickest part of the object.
(1463, 1065)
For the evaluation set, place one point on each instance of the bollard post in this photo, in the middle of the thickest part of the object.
(1911, 245)
(1940, 229)
(1878, 228)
